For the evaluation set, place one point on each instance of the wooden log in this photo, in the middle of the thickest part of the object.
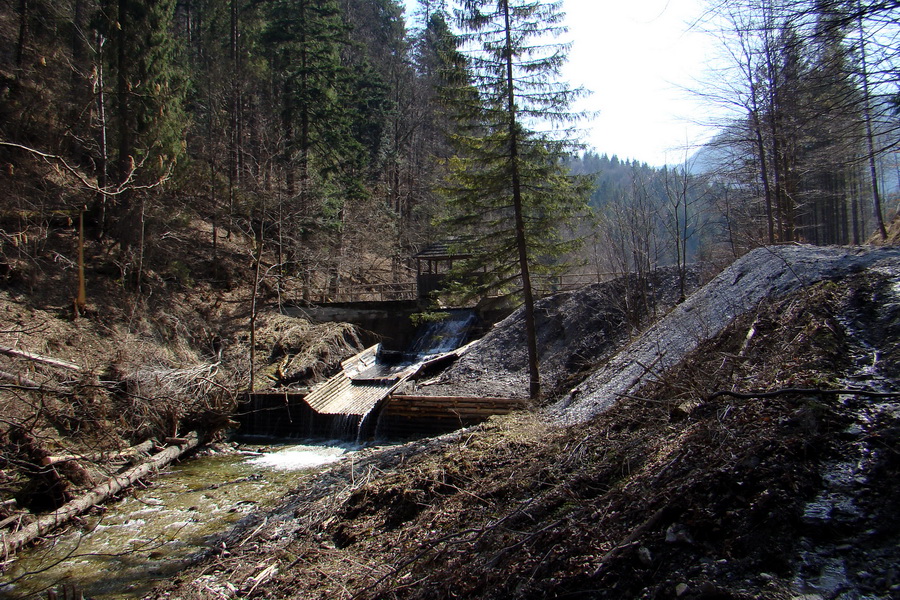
(53, 362)
(446, 415)
(12, 519)
(19, 380)
(449, 407)
(412, 398)
(101, 493)
(28, 384)
(465, 408)
(142, 448)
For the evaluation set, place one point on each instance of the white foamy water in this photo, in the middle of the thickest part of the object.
(295, 458)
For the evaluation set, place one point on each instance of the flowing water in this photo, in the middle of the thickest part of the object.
(445, 335)
(151, 533)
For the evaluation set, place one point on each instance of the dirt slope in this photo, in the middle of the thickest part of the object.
(583, 332)
(576, 330)
(764, 273)
(675, 492)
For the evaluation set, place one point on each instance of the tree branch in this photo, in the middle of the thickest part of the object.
(108, 191)
(783, 391)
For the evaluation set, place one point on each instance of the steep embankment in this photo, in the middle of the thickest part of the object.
(763, 274)
(676, 492)
(591, 332)
(576, 330)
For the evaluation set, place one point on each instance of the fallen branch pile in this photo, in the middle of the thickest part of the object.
(98, 495)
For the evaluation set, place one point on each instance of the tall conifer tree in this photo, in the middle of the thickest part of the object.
(509, 185)
(147, 117)
(307, 37)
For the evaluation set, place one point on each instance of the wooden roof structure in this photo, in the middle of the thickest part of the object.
(444, 251)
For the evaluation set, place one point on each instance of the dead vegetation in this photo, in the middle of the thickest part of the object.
(302, 351)
(678, 492)
(152, 369)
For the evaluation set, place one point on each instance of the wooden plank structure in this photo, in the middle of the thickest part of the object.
(360, 402)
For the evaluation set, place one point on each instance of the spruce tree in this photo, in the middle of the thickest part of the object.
(149, 85)
(306, 38)
(509, 185)
(147, 119)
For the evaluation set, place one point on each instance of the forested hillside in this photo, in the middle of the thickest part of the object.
(333, 133)
(310, 124)
(184, 181)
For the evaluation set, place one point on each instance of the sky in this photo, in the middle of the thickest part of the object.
(636, 57)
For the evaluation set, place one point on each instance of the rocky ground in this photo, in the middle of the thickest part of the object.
(761, 462)
(576, 331)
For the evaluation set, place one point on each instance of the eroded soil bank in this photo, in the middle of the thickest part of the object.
(783, 487)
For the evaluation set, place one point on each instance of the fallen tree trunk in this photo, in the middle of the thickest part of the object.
(53, 362)
(24, 383)
(142, 448)
(99, 494)
(20, 380)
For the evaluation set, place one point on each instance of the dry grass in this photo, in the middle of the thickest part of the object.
(652, 494)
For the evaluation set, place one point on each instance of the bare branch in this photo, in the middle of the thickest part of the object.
(117, 190)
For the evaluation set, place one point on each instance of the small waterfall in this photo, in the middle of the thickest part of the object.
(442, 336)
(348, 406)
(345, 427)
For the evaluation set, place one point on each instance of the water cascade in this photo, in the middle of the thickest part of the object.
(443, 336)
(347, 406)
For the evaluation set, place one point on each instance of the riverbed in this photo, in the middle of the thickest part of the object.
(128, 546)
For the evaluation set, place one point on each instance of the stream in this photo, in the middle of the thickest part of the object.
(128, 546)
(124, 548)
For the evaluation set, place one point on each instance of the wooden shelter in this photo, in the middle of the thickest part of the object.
(435, 261)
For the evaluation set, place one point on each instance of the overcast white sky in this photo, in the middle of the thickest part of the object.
(633, 56)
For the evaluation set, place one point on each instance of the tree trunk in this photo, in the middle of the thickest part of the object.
(233, 136)
(103, 166)
(870, 138)
(255, 296)
(764, 175)
(534, 375)
(142, 448)
(53, 362)
(23, 33)
(46, 523)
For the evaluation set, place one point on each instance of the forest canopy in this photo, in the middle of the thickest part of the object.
(325, 131)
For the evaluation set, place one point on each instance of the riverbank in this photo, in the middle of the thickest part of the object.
(761, 464)
(123, 549)
(754, 457)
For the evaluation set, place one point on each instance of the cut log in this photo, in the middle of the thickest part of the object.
(19, 380)
(451, 399)
(464, 407)
(53, 362)
(12, 519)
(142, 448)
(112, 486)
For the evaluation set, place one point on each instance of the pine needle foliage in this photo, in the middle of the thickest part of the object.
(509, 189)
